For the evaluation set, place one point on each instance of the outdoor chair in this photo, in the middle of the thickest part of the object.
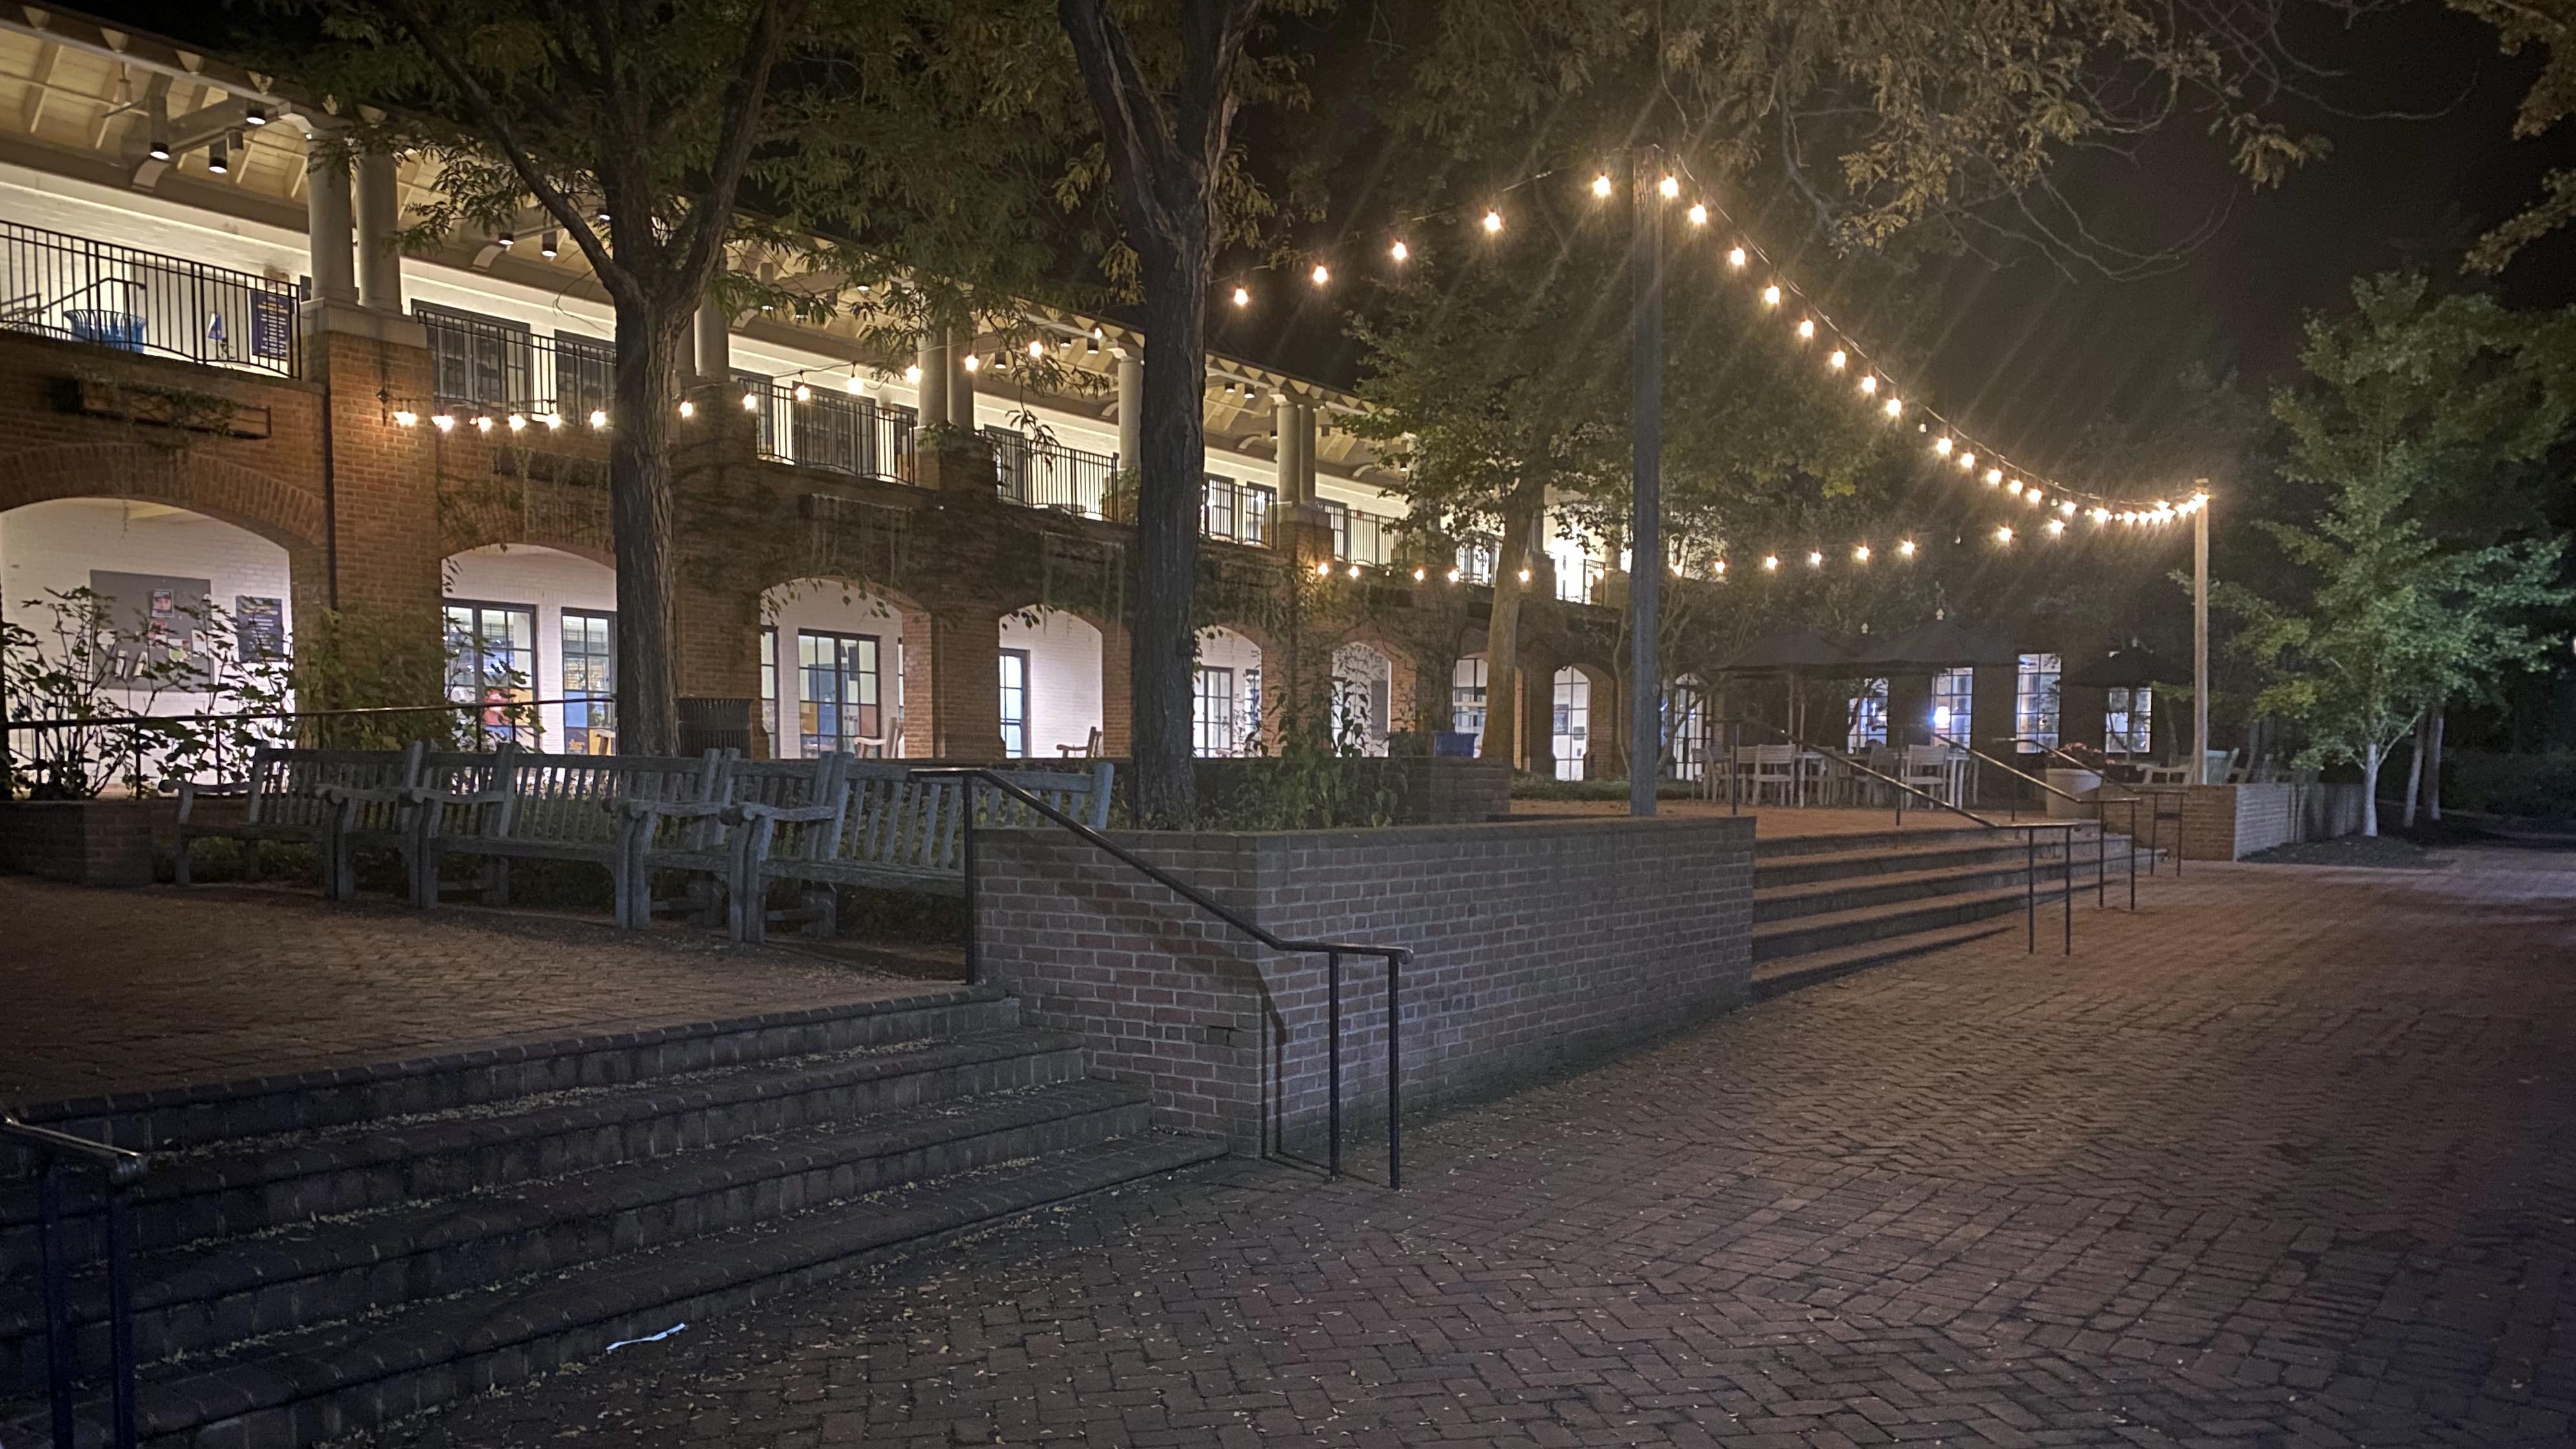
(1933, 770)
(1777, 771)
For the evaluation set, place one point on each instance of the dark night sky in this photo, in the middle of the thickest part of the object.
(2029, 356)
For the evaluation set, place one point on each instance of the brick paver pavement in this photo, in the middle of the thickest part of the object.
(2288, 1159)
(128, 989)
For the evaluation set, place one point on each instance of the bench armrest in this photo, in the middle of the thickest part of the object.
(363, 794)
(784, 814)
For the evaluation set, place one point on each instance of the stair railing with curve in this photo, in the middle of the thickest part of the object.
(56, 1154)
(1395, 957)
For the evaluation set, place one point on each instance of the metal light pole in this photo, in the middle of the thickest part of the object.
(1646, 450)
(2200, 637)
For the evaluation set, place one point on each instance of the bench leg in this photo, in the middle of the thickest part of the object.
(496, 881)
(823, 905)
(254, 869)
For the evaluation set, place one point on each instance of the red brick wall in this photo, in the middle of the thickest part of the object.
(1537, 945)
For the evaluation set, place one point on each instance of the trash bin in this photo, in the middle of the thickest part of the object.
(2082, 784)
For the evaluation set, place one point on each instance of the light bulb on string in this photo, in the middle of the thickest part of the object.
(2056, 526)
(1994, 476)
(2100, 516)
(1493, 221)
(1699, 213)
(1735, 257)
(1771, 561)
(1721, 568)
(1895, 407)
(1771, 295)
(1905, 548)
(1399, 251)
(598, 418)
(1815, 558)
(1967, 461)
(2013, 487)
(1806, 328)
(804, 393)
(1321, 274)
(973, 363)
(1037, 350)
(1601, 185)
(1837, 360)
(1861, 554)
(1670, 187)
(2004, 534)
(1942, 447)
(1869, 383)
(912, 373)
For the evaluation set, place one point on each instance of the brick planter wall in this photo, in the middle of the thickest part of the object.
(1538, 946)
(2230, 822)
(84, 842)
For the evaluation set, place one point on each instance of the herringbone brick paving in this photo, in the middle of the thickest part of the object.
(2287, 1159)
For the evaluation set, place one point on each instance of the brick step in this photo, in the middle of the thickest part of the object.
(1817, 967)
(207, 1296)
(1987, 848)
(305, 1386)
(179, 1117)
(1823, 897)
(231, 1189)
(1804, 935)
(1783, 847)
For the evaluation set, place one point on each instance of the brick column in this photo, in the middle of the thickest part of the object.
(952, 693)
(381, 560)
(719, 643)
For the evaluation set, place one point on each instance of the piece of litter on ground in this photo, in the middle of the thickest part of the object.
(648, 1338)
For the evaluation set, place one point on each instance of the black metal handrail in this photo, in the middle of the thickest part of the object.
(1332, 952)
(56, 1153)
(2030, 831)
(1042, 473)
(833, 430)
(144, 302)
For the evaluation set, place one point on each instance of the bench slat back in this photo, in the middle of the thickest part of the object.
(1084, 795)
(791, 785)
(566, 797)
(286, 782)
(904, 822)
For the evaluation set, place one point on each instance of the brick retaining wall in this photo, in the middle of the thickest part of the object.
(1537, 946)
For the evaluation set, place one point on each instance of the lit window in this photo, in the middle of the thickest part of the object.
(2035, 699)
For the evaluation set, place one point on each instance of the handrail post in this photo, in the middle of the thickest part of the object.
(1333, 1058)
(974, 953)
(1394, 1074)
(2101, 857)
(120, 1311)
(2133, 853)
(2070, 890)
(62, 1362)
(2030, 890)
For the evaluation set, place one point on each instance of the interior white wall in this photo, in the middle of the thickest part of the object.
(1571, 711)
(547, 581)
(830, 606)
(53, 546)
(1064, 680)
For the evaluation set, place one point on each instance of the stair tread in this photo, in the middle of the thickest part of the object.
(1803, 890)
(2049, 890)
(1982, 841)
(1788, 973)
(244, 1162)
(307, 1363)
(303, 1249)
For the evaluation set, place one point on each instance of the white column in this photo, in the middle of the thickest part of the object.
(379, 217)
(2200, 642)
(715, 342)
(1131, 407)
(961, 385)
(329, 219)
(1284, 425)
(1305, 452)
(932, 359)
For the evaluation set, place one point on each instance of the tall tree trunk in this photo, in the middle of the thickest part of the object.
(2415, 769)
(1164, 662)
(1521, 515)
(639, 509)
(2433, 767)
(2371, 755)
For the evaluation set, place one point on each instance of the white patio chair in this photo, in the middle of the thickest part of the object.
(1930, 769)
(1777, 771)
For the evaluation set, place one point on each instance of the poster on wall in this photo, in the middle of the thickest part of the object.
(272, 325)
(153, 616)
(259, 627)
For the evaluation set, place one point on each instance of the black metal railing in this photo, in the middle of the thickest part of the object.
(58, 1154)
(1037, 473)
(498, 374)
(834, 430)
(58, 285)
(1362, 537)
(1395, 958)
(1903, 791)
(1236, 512)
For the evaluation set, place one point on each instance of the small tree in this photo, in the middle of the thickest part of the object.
(2394, 625)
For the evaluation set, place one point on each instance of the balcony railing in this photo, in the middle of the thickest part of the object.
(1362, 537)
(1040, 474)
(1235, 512)
(143, 302)
(1578, 579)
(483, 369)
(835, 431)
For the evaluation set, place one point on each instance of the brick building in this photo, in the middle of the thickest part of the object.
(219, 382)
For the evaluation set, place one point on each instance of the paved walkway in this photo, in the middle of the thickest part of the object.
(2287, 1159)
(113, 990)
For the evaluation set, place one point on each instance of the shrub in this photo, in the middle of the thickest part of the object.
(2541, 786)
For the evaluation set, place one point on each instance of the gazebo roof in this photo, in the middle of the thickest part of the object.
(1942, 644)
(2126, 668)
(1791, 651)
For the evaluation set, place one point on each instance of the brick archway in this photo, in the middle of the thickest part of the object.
(285, 515)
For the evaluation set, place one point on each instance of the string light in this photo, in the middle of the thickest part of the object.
(552, 421)
(1037, 350)
(1905, 548)
(1837, 360)
(1601, 185)
(804, 393)
(1771, 561)
(1869, 383)
(2004, 534)
(1493, 221)
(482, 425)
(912, 374)
(1771, 295)
(1669, 187)
(1321, 274)
(1399, 251)
(1815, 558)
(598, 418)
(688, 409)
(854, 387)
(973, 362)
(1806, 328)
(1735, 258)
(1967, 461)
(1699, 214)
(518, 423)
(1419, 575)
(1861, 553)
(2056, 525)
(2013, 487)
(1942, 447)
(1895, 407)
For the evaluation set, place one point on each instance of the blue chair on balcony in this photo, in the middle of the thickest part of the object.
(120, 330)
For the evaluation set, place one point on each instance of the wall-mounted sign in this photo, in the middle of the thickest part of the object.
(272, 324)
(259, 627)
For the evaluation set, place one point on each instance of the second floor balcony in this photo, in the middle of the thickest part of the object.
(56, 285)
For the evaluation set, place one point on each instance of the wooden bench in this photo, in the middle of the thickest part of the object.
(285, 797)
(388, 817)
(709, 841)
(891, 828)
(592, 809)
